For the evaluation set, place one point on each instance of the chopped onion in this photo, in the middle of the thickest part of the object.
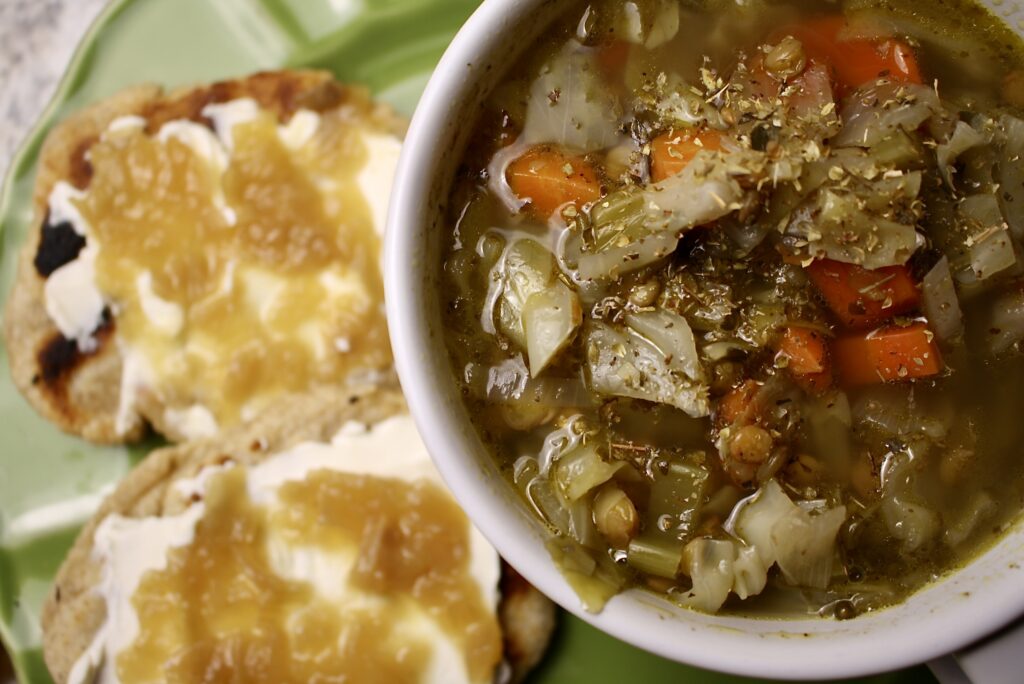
(940, 304)
(550, 317)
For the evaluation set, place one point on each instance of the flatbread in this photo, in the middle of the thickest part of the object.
(78, 392)
(73, 613)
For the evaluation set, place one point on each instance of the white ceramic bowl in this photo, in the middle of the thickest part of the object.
(943, 617)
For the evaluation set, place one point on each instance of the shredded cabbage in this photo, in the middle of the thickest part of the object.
(940, 304)
(874, 113)
(963, 138)
(550, 318)
(653, 357)
(570, 105)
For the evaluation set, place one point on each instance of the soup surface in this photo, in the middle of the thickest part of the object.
(735, 295)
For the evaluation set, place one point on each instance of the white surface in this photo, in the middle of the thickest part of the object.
(943, 617)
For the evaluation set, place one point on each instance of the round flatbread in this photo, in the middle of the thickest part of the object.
(74, 612)
(79, 392)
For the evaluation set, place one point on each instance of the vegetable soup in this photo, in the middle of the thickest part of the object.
(735, 295)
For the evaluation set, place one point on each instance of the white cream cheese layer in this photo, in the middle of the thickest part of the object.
(128, 548)
(75, 303)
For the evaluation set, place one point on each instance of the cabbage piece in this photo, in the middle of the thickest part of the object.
(594, 580)
(750, 574)
(962, 139)
(549, 317)
(650, 24)
(906, 513)
(875, 112)
(912, 523)
(709, 564)
(804, 542)
(753, 518)
(570, 105)
(653, 357)
(838, 227)
(1006, 320)
(583, 469)
(940, 304)
(1010, 173)
(980, 507)
(525, 268)
(702, 192)
(990, 245)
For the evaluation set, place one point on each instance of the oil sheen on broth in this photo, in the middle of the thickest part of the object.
(736, 296)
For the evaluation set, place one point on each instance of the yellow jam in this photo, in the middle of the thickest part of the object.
(270, 265)
(219, 612)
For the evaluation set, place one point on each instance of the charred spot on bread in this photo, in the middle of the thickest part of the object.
(283, 93)
(80, 168)
(60, 357)
(59, 244)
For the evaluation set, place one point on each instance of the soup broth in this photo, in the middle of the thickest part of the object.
(735, 296)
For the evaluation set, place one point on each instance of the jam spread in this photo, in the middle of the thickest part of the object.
(222, 611)
(244, 280)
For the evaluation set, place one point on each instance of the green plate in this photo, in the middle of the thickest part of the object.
(49, 482)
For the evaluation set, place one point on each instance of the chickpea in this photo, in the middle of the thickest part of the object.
(787, 59)
(805, 471)
(751, 444)
(615, 516)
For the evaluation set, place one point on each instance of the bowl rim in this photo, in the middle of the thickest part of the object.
(966, 605)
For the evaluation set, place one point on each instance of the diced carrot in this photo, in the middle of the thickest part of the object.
(856, 61)
(807, 358)
(861, 298)
(737, 405)
(548, 178)
(887, 354)
(671, 152)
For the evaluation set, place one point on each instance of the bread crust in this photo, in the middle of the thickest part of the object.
(80, 393)
(73, 612)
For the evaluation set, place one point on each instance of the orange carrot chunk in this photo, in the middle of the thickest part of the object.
(737, 405)
(548, 178)
(671, 152)
(887, 354)
(856, 61)
(806, 355)
(861, 298)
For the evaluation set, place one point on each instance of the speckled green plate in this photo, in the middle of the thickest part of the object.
(49, 482)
